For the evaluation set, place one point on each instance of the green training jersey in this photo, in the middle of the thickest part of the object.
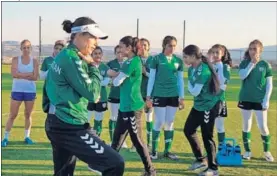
(70, 84)
(46, 64)
(165, 84)
(145, 63)
(206, 100)
(130, 93)
(253, 87)
(225, 70)
(114, 91)
(103, 68)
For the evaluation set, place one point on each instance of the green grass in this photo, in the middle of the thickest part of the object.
(19, 159)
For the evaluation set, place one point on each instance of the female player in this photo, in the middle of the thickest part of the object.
(203, 84)
(146, 60)
(114, 95)
(75, 80)
(46, 64)
(101, 106)
(131, 102)
(166, 86)
(25, 71)
(255, 92)
(222, 64)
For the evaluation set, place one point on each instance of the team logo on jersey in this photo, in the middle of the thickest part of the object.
(176, 65)
(261, 69)
(104, 105)
(199, 70)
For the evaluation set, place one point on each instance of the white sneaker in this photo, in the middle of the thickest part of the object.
(247, 155)
(124, 145)
(154, 156)
(268, 157)
(209, 172)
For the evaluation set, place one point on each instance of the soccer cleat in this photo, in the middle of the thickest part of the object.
(198, 165)
(247, 155)
(209, 172)
(149, 173)
(95, 171)
(133, 149)
(4, 143)
(268, 157)
(28, 141)
(154, 155)
(171, 156)
(124, 145)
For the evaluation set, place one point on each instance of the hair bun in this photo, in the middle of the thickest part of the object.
(67, 25)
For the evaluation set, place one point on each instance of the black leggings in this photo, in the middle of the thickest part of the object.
(206, 120)
(130, 122)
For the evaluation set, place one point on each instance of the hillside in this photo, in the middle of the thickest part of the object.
(11, 49)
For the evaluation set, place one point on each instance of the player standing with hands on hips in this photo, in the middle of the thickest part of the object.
(255, 92)
(72, 81)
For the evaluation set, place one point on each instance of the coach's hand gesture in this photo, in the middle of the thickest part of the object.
(88, 59)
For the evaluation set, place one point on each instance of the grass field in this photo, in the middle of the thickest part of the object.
(20, 159)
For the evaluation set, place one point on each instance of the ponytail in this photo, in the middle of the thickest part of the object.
(246, 55)
(214, 82)
(136, 46)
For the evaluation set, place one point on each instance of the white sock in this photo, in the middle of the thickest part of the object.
(149, 116)
(90, 115)
(247, 120)
(169, 118)
(159, 121)
(6, 135)
(261, 118)
(27, 133)
(219, 123)
(99, 116)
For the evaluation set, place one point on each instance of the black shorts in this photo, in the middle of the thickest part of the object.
(99, 107)
(223, 109)
(113, 100)
(166, 101)
(250, 106)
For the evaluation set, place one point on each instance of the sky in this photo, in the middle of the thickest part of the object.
(233, 24)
